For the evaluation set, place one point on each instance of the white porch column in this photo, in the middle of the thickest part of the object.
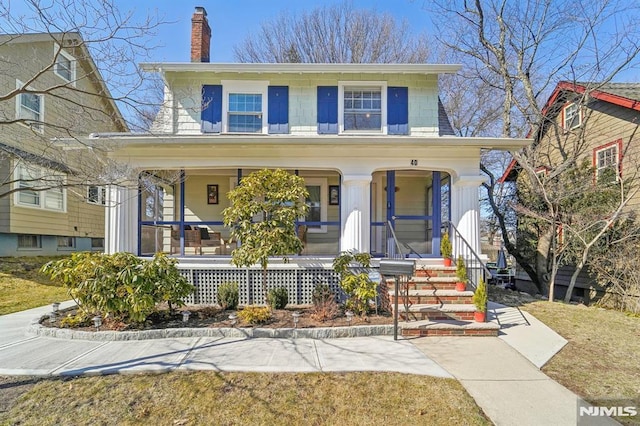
(355, 213)
(465, 208)
(121, 220)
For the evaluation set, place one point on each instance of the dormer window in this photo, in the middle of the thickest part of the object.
(571, 116)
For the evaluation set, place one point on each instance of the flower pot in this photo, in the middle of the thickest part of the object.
(448, 262)
(461, 286)
(480, 316)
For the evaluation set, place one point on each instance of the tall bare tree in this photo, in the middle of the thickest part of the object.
(334, 34)
(518, 51)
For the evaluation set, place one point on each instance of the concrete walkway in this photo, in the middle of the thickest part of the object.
(502, 374)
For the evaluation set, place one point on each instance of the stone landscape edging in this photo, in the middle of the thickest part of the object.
(234, 332)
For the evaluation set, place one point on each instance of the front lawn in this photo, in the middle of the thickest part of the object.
(202, 398)
(22, 286)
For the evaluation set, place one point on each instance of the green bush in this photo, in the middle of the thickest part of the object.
(480, 297)
(321, 294)
(358, 287)
(278, 297)
(121, 284)
(255, 314)
(461, 270)
(228, 295)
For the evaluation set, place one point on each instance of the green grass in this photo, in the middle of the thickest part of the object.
(602, 358)
(200, 398)
(22, 286)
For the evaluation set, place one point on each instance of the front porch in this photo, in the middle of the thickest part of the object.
(181, 212)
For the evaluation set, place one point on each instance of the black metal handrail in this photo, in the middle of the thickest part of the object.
(476, 268)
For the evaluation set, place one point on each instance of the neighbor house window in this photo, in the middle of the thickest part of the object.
(66, 242)
(317, 203)
(245, 113)
(29, 107)
(96, 195)
(65, 66)
(97, 243)
(29, 241)
(362, 107)
(39, 187)
(572, 117)
(607, 162)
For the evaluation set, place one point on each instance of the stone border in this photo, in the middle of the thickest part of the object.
(222, 332)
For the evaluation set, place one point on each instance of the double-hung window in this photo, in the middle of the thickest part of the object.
(245, 113)
(29, 108)
(607, 162)
(244, 106)
(39, 187)
(362, 107)
(571, 116)
(65, 65)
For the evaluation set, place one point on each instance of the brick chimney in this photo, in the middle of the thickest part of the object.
(200, 36)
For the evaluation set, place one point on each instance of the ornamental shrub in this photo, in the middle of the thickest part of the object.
(278, 297)
(228, 296)
(255, 314)
(120, 284)
(358, 287)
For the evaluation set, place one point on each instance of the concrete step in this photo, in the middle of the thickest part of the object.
(460, 312)
(435, 271)
(434, 297)
(427, 328)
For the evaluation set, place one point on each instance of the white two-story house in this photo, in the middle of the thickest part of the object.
(372, 142)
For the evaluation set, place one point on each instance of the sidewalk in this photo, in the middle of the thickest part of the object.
(501, 373)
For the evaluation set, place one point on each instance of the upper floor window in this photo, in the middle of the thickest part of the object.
(39, 187)
(65, 65)
(607, 162)
(362, 107)
(245, 113)
(30, 108)
(96, 195)
(571, 116)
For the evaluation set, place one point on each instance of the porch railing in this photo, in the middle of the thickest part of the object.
(476, 268)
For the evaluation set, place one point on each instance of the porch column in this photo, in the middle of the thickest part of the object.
(121, 219)
(465, 208)
(355, 212)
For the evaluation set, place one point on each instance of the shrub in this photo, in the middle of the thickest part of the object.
(278, 297)
(228, 296)
(324, 303)
(73, 321)
(461, 270)
(358, 287)
(121, 284)
(445, 246)
(480, 297)
(255, 314)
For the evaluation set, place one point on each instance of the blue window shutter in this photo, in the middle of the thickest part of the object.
(278, 110)
(211, 115)
(328, 109)
(397, 111)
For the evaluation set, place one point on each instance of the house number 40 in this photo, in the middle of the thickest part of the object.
(414, 162)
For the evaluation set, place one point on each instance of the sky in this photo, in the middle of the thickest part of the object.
(231, 21)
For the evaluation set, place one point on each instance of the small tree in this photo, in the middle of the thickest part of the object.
(262, 217)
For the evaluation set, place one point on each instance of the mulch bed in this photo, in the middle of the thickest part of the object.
(211, 316)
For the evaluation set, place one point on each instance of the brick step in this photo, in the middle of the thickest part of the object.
(448, 328)
(428, 283)
(434, 297)
(436, 271)
(461, 312)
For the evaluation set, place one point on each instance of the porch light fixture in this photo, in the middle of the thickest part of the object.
(97, 322)
(234, 319)
(349, 315)
(56, 307)
(296, 317)
(185, 315)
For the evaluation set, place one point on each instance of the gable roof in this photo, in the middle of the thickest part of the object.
(35, 159)
(625, 95)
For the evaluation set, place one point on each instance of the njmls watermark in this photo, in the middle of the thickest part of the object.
(626, 410)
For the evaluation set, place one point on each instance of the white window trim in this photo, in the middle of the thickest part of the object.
(43, 194)
(564, 116)
(383, 106)
(260, 87)
(38, 127)
(613, 146)
(59, 51)
(324, 202)
(102, 195)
